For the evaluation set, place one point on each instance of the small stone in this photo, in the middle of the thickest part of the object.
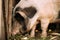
(49, 30)
(25, 38)
(36, 30)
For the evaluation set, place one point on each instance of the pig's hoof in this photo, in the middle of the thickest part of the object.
(44, 35)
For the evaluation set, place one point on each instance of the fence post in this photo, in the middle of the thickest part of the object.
(2, 29)
(10, 16)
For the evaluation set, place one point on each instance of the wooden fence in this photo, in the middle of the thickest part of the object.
(6, 19)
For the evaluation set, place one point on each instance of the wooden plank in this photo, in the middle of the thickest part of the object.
(2, 30)
(10, 16)
(6, 18)
(0, 18)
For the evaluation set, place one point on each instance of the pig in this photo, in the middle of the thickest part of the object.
(46, 13)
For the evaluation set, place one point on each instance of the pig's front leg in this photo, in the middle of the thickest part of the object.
(32, 34)
(44, 26)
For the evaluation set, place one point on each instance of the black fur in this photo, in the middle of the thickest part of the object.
(21, 20)
(30, 11)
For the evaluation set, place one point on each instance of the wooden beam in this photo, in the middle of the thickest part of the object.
(6, 18)
(0, 18)
(2, 29)
(10, 16)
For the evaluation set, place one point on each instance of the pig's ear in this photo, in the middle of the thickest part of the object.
(22, 14)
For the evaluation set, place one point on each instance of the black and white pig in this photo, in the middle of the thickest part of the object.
(33, 11)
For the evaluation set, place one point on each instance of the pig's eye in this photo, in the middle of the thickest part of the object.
(18, 9)
(30, 11)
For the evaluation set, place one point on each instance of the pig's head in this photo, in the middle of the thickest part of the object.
(23, 16)
(23, 12)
